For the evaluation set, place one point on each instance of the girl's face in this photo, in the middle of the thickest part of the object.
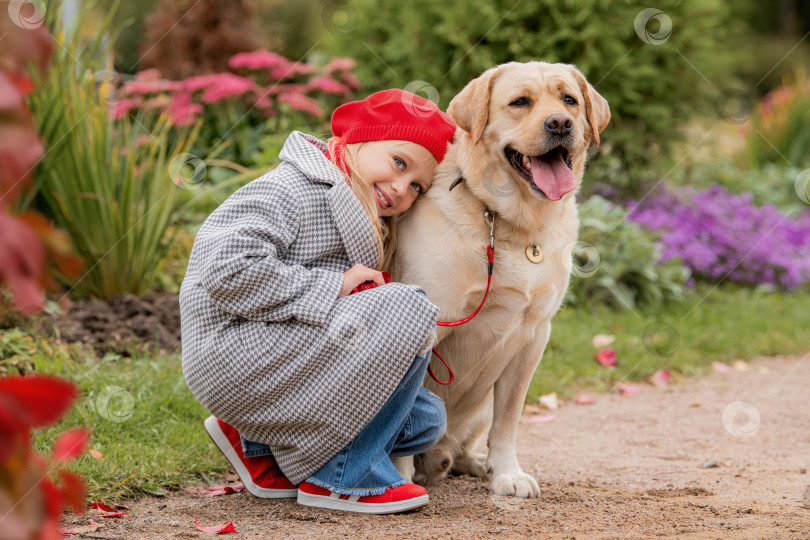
(397, 172)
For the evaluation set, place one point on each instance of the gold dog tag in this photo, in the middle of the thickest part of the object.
(534, 254)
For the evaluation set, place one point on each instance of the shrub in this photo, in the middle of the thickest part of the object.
(30, 501)
(780, 129)
(617, 263)
(650, 87)
(720, 236)
(27, 241)
(192, 37)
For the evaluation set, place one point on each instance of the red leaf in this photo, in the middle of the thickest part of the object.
(38, 400)
(100, 506)
(629, 389)
(660, 378)
(72, 490)
(113, 515)
(224, 528)
(584, 399)
(606, 357)
(71, 444)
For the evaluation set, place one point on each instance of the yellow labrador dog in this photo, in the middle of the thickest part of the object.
(521, 155)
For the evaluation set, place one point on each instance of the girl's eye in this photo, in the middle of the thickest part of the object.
(569, 100)
(418, 187)
(399, 162)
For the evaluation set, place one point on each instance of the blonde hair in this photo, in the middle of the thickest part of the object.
(385, 231)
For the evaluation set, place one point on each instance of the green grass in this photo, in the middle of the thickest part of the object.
(162, 444)
(730, 323)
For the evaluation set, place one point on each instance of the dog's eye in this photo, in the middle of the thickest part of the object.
(569, 100)
(520, 102)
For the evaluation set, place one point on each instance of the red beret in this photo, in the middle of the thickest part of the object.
(395, 115)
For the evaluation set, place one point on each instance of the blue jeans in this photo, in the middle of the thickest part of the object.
(411, 421)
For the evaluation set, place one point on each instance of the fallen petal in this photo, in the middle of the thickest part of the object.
(720, 367)
(607, 357)
(741, 365)
(602, 340)
(96, 454)
(223, 528)
(100, 506)
(584, 399)
(660, 378)
(114, 515)
(538, 419)
(550, 401)
(629, 389)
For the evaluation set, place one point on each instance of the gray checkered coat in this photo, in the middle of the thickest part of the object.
(267, 345)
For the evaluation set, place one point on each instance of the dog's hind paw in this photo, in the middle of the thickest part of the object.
(518, 485)
(471, 463)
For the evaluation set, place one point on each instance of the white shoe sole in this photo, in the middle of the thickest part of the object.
(224, 445)
(334, 502)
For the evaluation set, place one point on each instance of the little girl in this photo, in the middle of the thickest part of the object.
(308, 383)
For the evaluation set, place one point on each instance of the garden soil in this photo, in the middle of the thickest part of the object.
(723, 456)
(125, 322)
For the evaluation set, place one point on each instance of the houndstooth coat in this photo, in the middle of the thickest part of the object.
(267, 345)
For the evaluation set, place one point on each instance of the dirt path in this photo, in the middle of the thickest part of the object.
(621, 468)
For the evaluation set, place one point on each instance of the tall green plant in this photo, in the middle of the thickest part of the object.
(106, 182)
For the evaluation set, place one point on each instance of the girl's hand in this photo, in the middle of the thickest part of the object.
(358, 274)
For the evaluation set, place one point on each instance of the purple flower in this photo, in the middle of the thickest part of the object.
(720, 235)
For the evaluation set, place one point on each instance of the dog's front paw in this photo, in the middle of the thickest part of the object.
(471, 463)
(518, 485)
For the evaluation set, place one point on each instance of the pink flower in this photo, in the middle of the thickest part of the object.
(300, 102)
(225, 86)
(290, 70)
(137, 87)
(340, 64)
(182, 111)
(351, 80)
(257, 60)
(607, 357)
(328, 85)
(200, 82)
(123, 106)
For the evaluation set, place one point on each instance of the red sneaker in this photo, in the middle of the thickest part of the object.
(261, 475)
(398, 499)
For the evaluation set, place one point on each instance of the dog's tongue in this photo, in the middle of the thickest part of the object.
(552, 175)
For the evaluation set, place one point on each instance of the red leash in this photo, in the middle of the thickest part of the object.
(490, 218)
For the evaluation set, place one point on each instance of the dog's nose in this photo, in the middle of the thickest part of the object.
(560, 124)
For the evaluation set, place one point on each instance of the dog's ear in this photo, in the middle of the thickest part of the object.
(597, 109)
(470, 108)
